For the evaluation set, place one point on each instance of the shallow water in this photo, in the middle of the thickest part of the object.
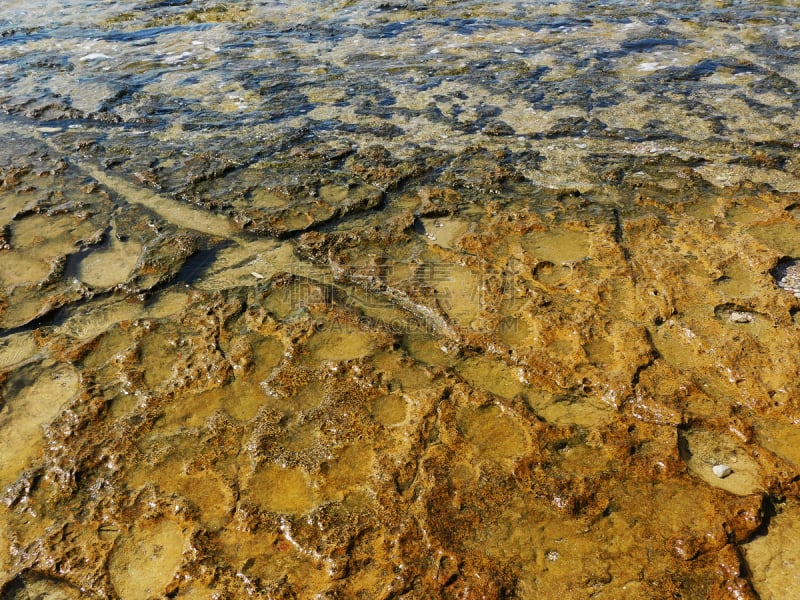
(399, 300)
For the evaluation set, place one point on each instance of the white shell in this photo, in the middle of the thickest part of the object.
(722, 471)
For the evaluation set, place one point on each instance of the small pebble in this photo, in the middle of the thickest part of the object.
(738, 316)
(722, 471)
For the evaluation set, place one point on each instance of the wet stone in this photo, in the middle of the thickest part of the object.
(787, 275)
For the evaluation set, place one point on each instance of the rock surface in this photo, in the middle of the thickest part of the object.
(425, 300)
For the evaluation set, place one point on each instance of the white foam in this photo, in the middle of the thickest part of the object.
(650, 66)
(94, 56)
